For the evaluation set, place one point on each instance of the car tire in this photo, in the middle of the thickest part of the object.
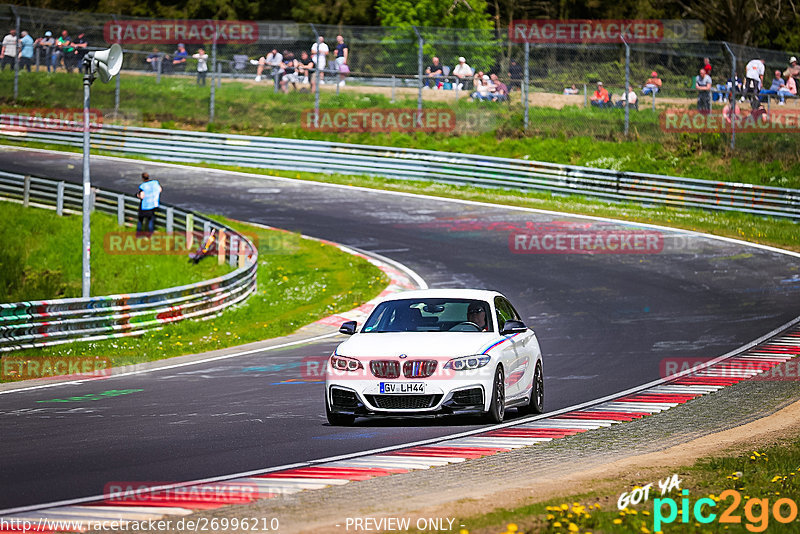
(497, 407)
(536, 403)
(338, 419)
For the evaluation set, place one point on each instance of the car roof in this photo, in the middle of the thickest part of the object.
(477, 294)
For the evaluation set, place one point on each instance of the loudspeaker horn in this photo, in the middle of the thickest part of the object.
(108, 62)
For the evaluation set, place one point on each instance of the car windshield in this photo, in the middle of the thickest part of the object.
(430, 315)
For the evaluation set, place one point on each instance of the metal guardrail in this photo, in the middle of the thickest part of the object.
(53, 322)
(406, 163)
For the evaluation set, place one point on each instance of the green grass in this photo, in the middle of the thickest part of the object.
(299, 281)
(572, 135)
(770, 474)
(41, 258)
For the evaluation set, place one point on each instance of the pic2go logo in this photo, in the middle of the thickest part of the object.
(756, 511)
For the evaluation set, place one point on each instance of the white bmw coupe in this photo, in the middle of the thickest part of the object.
(436, 351)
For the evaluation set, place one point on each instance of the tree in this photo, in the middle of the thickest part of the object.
(335, 12)
(437, 13)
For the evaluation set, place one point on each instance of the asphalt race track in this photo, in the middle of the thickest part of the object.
(606, 322)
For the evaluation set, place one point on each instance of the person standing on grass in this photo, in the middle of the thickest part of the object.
(703, 86)
(26, 51)
(202, 66)
(8, 54)
(319, 55)
(148, 195)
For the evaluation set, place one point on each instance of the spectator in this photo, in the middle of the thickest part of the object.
(80, 44)
(571, 90)
(8, 53)
(703, 85)
(652, 85)
(344, 70)
(26, 51)
(148, 195)
(290, 75)
(434, 73)
(65, 51)
(46, 47)
(154, 58)
(777, 85)
(202, 66)
(274, 60)
(500, 89)
(726, 111)
(179, 59)
(753, 81)
(306, 68)
(629, 98)
(515, 74)
(319, 55)
(341, 52)
(793, 69)
(600, 97)
(707, 65)
(462, 72)
(789, 89)
(484, 89)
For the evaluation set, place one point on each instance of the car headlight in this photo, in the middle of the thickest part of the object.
(343, 363)
(467, 363)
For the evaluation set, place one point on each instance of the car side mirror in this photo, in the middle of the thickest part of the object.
(348, 328)
(513, 327)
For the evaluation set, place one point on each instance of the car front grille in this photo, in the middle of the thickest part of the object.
(419, 368)
(403, 402)
(469, 397)
(385, 368)
(342, 398)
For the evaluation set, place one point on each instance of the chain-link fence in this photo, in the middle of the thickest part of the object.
(392, 79)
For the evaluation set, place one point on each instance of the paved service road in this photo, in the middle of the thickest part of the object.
(605, 322)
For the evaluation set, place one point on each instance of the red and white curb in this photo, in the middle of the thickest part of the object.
(190, 498)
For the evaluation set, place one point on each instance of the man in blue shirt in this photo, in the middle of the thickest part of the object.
(26, 51)
(149, 194)
(179, 59)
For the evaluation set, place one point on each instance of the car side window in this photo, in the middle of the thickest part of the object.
(504, 311)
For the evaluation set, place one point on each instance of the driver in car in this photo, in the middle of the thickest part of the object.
(476, 314)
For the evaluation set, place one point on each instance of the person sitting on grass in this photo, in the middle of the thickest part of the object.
(571, 90)
(628, 99)
(484, 91)
(500, 89)
(600, 98)
(789, 89)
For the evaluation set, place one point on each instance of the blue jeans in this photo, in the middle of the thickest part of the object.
(648, 90)
(150, 217)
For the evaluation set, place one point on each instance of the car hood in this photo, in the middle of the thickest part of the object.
(417, 344)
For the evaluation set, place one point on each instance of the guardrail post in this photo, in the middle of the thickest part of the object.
(92, 198)
(654, 100)
(221, 247)
(189, 230)
(116, 97)
(242, 253)
(206, 229)
(234, 246)
(120, 210)
(60, 199)
(26, 191)
(394, 81)
(170, 220)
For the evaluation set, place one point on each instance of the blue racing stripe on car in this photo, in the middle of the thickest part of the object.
(493, 345)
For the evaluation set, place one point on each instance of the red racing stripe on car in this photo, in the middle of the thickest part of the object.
(493, 345)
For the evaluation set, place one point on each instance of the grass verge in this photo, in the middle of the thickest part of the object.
(40, 259)
(750, 486)
(571, 135)
(299, 281)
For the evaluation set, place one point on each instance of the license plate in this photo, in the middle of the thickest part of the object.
(400, 388)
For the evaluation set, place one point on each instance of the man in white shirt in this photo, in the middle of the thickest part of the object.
(754, 78)
(629, 99)
(319, 54)
(8, 54)
(462, 72)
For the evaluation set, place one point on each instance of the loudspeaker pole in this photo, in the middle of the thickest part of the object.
(86, 276)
